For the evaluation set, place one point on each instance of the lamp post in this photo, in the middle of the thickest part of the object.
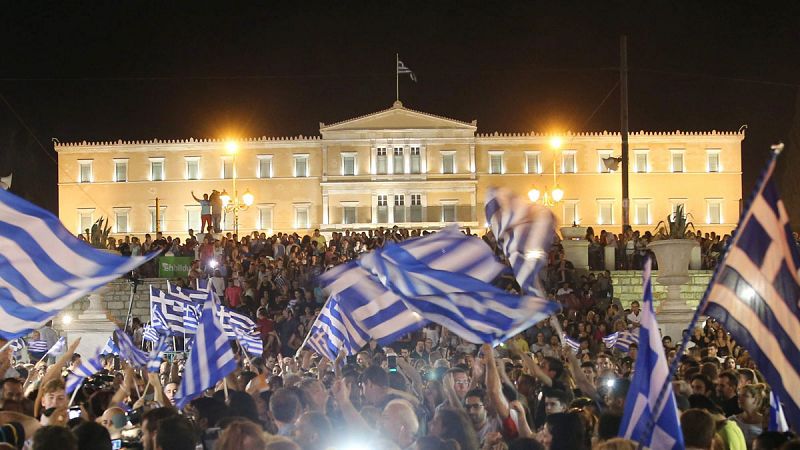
(235, 204)
(550, 197)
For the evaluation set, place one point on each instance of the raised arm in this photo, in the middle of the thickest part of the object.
(195, 198)
(494, 388)
(580, 379)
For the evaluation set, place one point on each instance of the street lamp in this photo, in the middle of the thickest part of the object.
(235, 204)
(550, 197)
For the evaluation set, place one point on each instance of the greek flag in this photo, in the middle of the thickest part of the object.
(156, 355)
(524, 232)
(572, 343)
(110, 348)
(650, 374)
(401, 68)
(445, 278)
(44, 268)
(196, 296)
(167, 312)
(37, 346)
(17, 344)
(59, 347)
(85, 370)
(150, 334)
(622, 340)
(128, 351)
(240, 321)
(210, 360)
(203, 284)
(191, 318)
(755, 290)
(250, 342)
(777, 420)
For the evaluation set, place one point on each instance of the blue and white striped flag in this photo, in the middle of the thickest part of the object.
(755, 290)
(401, 69)
(44, 268)
(203, 284)
(129, 351)
(110, 348)
(250, 342)
(156, 355)
(525, 233)
(86, 369)
(191, 318)
(167, 312)
(196, 296)
(622, 340)
(445, 278)
(37, 346)
(650, 374)
(777, 420)
(150, 334)
(210, 360)
(58, 348)
(572, 343)
(17, 344)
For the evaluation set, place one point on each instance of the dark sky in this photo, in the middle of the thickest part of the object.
(143, 70)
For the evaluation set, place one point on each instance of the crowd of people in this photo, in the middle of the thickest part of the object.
(428, 390)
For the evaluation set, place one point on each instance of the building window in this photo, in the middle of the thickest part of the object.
(349, 214)
(121, 224)
(162, 212)
(192, 167)
(641, 212)
(382, 209)
(568, 164)
(571, 213)
(264, 166)
(495, 163)
(415, 160)
(398, 161)
(677, 161)
(449, 209)
(265, 218)
(448, 162)
(193, 221)
(156, 169)
(675, 203)
(714, 211)
(227, 168)
(640, 163)
(85, 221)
(300, 166)
(227, 220)
(348, 164)
(605, 212)
(712, 160)
(85, 171)
(533, 162)
(120, 170)
(400, 208)
(381, 165)
(301, 218)
(601, 155)
(415, 211)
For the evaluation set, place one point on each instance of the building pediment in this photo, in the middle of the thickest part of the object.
(398, 117)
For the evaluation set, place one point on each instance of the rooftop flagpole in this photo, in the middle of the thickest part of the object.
(396, 77)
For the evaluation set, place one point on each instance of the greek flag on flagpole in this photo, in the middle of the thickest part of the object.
(86, 369)
(17, 344)
(203, 284)
(156, 355)
(525, 233)
(191, 318)
(777, 420)
(755, 290)
(110, 348)
(572, 343)
(44, 268)
(196, 296)
(445, 278)
(37, 346)
(650, 374)
(401, 68)
(167, 311)
(128, 351)
(210, 360)
(621, 340)
(150, 334)
(250, 342)
(58, 348)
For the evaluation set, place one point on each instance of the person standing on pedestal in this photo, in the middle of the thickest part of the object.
(216, 209)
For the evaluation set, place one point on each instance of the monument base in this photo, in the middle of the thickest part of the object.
(92, 326)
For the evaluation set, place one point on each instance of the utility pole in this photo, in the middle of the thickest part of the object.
(623, 98)
(158, 228)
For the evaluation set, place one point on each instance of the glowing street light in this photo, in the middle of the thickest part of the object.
(233, 204)
(549, 198)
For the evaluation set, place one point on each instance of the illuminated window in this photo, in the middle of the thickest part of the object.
(568, 163)
(712, 160)
(640, 161)
(605, 212)
(533, 163)
(264, 166)
(85, 172)
(265, 217)
(120, 170)
(641, 212)
(496, 163)
(714, 211)
(192, 167)
(415, 160)
(300, 166)
(381, 165)
(156, 169)
(348, 164)
(448, 161)
(601, 155)
(677, 163)
(301, 214)
(85, 221)
(121, 220)
(571, 215)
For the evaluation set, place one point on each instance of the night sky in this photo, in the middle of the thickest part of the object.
(136, 70)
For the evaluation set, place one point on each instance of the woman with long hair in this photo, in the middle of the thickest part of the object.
(452, 423)
(754, 401)
(241, 435)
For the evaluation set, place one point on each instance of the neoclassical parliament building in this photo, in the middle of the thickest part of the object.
(398, 167)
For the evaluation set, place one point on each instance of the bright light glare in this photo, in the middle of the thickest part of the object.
(248, 198)
(555, 142)
(231, 147)
(533, 194)
(558, 194)
(354, 446)
(67, 319)
(748, 293)
(534, 254)
(610, 383)
(213, 263)
(225, 197)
